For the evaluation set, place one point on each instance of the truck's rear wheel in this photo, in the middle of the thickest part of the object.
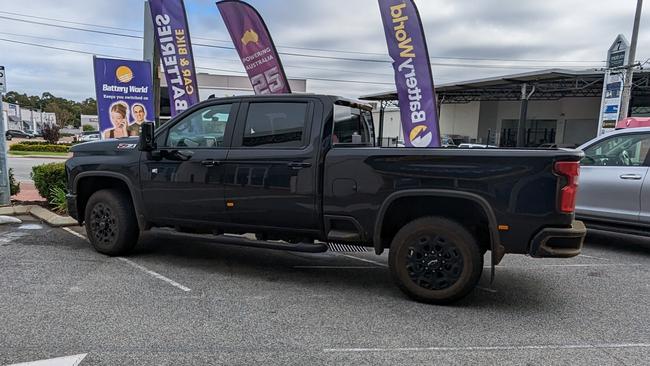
(111, 223)
(435, 260)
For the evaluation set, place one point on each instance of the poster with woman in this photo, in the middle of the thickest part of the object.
(124, 96)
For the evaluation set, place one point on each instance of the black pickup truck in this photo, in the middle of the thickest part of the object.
(300, 171)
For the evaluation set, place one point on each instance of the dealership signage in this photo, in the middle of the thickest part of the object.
(413, 77)
(124, 96)
(617, 56)
(255, 47)
(173, 40)
(3, 81)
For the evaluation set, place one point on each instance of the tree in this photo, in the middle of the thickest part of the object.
(51, 134)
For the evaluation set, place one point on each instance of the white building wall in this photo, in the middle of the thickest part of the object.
(460, 119)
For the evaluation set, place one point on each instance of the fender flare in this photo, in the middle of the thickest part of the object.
(137, 202)
(497, 250)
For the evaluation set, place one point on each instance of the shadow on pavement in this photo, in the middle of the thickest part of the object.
(513, 289)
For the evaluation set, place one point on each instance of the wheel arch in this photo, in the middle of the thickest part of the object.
(494, 238)
(86, 183)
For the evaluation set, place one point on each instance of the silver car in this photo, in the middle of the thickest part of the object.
(614, 191)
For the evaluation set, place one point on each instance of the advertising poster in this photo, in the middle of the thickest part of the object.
(124, 96)
(413, 76)
(173, 41)
(611, 103)
(255, 47)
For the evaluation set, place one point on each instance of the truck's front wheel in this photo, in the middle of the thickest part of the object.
(435, 260)
(111, 223)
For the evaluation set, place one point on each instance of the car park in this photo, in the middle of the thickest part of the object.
(312, 161)
(614, 193)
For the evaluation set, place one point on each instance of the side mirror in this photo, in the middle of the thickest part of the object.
(147, 142)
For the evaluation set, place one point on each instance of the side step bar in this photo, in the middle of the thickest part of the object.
(300, 247)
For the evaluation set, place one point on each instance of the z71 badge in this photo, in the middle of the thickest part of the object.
(126, 146)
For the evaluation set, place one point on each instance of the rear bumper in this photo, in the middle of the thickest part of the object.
(71, 200)
(559, 242)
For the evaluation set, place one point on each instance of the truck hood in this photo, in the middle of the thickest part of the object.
(106, 147)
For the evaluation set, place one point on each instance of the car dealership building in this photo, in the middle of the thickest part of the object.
(563, 107)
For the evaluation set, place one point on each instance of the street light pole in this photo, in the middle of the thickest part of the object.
(629, 72)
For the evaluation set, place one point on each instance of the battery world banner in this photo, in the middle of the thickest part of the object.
(255, 47)
(413, 77)
(124, 96)
(173, 41)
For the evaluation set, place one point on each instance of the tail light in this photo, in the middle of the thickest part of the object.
(570, 170)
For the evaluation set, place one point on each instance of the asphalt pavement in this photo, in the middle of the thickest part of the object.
(183, 299)
(22, 167)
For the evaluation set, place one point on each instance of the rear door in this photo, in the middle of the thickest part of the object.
(611, 177)
(271, 171)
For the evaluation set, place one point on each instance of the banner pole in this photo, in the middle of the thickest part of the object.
(5, 189)
(152, 54)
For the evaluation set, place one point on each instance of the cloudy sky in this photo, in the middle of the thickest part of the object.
(467, 39)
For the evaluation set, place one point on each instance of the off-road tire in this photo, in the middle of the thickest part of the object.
(111, 224)
(435, 260)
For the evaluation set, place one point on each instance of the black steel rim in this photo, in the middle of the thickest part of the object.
(434, 262)
(103, 224)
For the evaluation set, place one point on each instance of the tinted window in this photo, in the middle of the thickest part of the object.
(203, 128)
(625, 150)
(275, 124)
(352, 126)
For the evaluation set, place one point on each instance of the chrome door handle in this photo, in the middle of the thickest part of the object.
(631, 177)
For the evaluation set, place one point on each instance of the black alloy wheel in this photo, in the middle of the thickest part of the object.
(435, 260)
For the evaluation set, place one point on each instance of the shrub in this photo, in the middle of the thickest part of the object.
(58, 201)
(51, 134)
(88, 128)
(48, 177)
(32, 143)
(40, 148)
(14, 187)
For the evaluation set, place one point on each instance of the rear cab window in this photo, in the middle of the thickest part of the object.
(353, 125)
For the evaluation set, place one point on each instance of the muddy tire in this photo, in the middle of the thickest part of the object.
(435, 260)
(111, 224)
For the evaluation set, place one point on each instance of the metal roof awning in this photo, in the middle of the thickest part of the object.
(551, 84)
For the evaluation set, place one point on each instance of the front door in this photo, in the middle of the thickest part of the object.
(183, 184)
(611, 177)
(271, 171)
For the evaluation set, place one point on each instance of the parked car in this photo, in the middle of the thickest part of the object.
(304, 169)
(89, 136)
(614, 191)
(466, 145)
(10, 134)
(633, 122)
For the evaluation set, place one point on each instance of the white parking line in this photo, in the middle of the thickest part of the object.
(142, 268)
(336, 267)
(542, 266)
(494, 348)
(155, 274)
(59, 361)
(75, 233)
(363, 260)
(590, 256)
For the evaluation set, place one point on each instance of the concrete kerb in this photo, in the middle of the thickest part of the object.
(41, 213)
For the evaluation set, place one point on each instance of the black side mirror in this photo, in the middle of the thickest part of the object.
(147, 142)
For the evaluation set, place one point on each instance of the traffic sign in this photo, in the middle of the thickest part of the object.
(3, 81)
